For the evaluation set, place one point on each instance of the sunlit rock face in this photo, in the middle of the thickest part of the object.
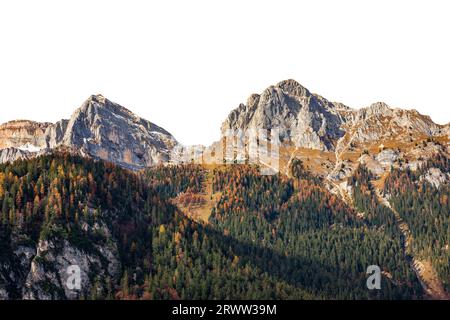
(23, 134)
(99, 128)
(108, 131)
(333, 139)
(304, 119)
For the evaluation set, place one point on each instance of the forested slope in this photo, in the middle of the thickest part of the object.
(268, 237)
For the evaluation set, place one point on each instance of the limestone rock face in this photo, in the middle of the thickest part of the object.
(387, 157)
(62, 256)
(55, 133)
(310, 121)
(105, 130)
(379, 121)
(99, 128)
(304, 119)
(386, 136)
(14, 266)
(108, 131)
(12, 154)
(22, 132)
(436, 177)
(40, 270)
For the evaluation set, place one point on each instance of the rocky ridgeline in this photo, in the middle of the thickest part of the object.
(378, 135)
(310, 121)
(22, 132)
(99, 128)
(306, 120)
(41, 271)
(105, 130)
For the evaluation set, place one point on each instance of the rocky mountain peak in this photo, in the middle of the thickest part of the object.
(380, 119)
(106, 130)
(304, 119)
(99, 105)
(294, 88)
(18, 133)
(98, 98)
(100, 128)
(379, 108)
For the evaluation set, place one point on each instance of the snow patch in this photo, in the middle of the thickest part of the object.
(29, 147)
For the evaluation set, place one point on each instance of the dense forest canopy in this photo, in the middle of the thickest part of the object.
(268, 237)
(426, 209)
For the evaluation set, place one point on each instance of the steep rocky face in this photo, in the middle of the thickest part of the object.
(99, 128)
(15, 260)
(108, 131)
(331, 138)
(311, 121)
(54, 133)
(379, 121)
(12, 154)
(21, 133)
(304, 119)
(101, 262)
(40, 271)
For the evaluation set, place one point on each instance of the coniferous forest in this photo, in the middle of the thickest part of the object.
(268, 237)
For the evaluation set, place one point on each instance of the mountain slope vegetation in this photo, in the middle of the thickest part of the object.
(268, 237)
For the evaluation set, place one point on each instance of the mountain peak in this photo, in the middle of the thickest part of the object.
(292, 87)
(378, 108)
(103, 107)
(100, 129)
(379, 105)
(106, 130)
(99, 98)
(306, 120)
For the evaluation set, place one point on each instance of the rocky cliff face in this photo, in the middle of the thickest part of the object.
(99, 128)
(12, 154)
(41, 271)
(311, 121)
(304, 119)
(22, 133)
(332, 138)
(330, 135)
(107, 131)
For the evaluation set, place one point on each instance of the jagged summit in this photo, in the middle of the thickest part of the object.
(111, 132)
(294, 88)
(99, 128)
(304, 119)
(98, 104)
(99, 98)
(106, 130)
(309, 124)
(379, 107)
(311, 121)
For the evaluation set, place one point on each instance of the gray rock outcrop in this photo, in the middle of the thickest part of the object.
(99, 128)
(304, 119)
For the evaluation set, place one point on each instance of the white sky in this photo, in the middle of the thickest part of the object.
(185, 65)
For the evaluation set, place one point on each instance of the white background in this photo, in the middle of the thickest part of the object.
(186, 64)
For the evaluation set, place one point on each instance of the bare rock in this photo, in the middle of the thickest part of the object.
(99, 128)
(387, 157)
(436, 177)
(21, 132)
(304, 119)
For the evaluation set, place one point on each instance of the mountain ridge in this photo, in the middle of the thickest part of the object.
(339, 136)
(333, 138)
(356, 187)
(99, 128)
